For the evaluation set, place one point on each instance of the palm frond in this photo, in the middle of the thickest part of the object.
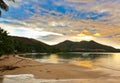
(3, 5)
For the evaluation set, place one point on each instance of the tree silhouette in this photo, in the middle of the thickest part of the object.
(6, 43)
(3, 6)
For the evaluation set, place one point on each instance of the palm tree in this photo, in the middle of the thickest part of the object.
(3, 6)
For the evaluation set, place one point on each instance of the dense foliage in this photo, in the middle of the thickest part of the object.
(6, 43)
(23, 45)
(84, 46)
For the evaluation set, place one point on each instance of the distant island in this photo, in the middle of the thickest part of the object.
(23, 45)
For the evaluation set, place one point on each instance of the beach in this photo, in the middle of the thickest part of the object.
(51, 71)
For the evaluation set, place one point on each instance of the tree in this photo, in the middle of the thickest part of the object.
(6, 43)
(4, 6)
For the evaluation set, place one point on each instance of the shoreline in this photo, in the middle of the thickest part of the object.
(49, 70)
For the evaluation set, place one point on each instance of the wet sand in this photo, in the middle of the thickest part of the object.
(51, 71)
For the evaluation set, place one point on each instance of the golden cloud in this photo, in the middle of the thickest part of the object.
(97, 35)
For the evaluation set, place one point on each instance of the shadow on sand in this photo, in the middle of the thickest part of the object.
(1, 79)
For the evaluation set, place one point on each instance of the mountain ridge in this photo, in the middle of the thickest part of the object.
(84, 46)
(23, 44)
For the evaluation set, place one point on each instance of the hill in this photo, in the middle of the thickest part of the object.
(23, 45)
(84, 46)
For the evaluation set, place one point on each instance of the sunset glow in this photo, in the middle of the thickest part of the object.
(54, 21)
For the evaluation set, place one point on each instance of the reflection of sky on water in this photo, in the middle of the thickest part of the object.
(85, 63)
(112, 61)
(116, 58)
(104, 60)
(53, 58)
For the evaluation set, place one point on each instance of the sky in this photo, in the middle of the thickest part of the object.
(54, 21)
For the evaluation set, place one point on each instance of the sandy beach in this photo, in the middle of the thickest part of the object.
(50, 71)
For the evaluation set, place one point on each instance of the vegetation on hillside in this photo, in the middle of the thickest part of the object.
(84, 46)
(23, 45)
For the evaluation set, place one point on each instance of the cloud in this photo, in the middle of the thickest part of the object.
(53, 21)
(27, 32)
(97, 34)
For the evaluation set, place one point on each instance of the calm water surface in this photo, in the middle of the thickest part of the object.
(92, 60)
